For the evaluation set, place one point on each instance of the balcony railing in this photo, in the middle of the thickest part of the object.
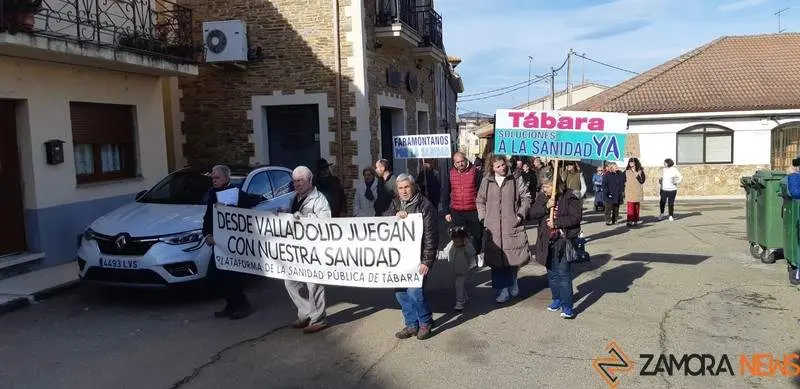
(424, 20)
(431, 29)
(158, 28)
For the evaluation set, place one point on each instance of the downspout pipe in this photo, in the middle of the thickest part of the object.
(338, 60)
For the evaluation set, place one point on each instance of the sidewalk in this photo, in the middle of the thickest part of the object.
(20, 291)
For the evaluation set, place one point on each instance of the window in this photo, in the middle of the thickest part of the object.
(260, 185)
(705, 144)
(281, 181)
(104, 141)
(179, 188)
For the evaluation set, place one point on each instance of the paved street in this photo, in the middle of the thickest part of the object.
(683, 287)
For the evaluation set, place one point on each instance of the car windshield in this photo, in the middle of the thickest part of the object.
(187, 188)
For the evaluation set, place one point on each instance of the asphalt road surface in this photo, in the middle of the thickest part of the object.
(682, 287)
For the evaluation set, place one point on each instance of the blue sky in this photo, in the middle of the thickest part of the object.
(495, 38)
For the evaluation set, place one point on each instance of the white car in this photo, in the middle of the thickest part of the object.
(157, 240)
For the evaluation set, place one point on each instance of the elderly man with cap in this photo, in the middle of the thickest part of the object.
(330, 186)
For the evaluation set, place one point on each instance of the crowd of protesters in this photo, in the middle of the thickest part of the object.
(487, 207)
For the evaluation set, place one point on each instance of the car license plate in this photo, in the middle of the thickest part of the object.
(119, 263)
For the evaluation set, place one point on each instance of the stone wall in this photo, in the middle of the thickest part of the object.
(398, 56)
(299, 55)
(298, 46)
(704, 180)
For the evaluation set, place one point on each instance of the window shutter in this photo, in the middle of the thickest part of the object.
(101, 123)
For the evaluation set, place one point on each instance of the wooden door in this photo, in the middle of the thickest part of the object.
(785, 146)
(12, 229)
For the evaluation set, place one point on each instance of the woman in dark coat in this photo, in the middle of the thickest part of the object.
(614, 192)
(553, 236)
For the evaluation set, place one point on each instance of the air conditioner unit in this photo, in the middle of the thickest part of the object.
(225, 41)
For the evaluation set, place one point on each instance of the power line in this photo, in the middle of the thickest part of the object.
(498, 89)
(533, 81)
(603, 63)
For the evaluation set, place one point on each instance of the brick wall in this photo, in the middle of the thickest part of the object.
(299, 54)
(401, 57)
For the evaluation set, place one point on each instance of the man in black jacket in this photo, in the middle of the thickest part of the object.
(227, 282)
(416, 312)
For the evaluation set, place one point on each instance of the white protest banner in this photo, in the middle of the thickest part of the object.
(368, 252)
(422, 146)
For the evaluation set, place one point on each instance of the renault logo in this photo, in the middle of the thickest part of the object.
(121, 241)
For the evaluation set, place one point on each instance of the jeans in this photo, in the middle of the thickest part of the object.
(559, 277)
(504, 277)
(633, 211)
(414, 305)
(469, 220)
(668, 196)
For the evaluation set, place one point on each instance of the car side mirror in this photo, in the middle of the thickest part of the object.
(140, 195)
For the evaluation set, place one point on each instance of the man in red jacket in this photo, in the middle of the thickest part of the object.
(458, 200)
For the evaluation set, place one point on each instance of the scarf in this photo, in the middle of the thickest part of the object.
(405, 205)
(368, 191)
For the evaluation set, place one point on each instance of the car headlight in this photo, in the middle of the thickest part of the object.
(183, 238)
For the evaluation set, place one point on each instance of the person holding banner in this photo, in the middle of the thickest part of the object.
(458, 199)
(554, 234)
(503, 204)
(308, 202)
(237, 305)
(417, 314)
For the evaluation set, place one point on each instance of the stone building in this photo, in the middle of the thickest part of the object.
(720, 111)
(333, 79)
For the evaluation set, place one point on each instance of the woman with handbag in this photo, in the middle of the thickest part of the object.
(502, 203)
(554, 235)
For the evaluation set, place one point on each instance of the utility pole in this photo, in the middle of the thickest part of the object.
(778, 14)
(583, 72)
(552, 89)
(530, 63)
(569, 78)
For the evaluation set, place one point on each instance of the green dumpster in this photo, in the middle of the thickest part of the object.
(769, 202)
(791, 233)
(752, 209)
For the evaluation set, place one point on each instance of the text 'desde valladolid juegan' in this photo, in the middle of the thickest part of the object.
(368, 252)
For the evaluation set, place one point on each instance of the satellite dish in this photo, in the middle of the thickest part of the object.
(216, 41)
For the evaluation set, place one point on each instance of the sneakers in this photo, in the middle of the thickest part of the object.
(503, 296)
(554, 306)
(480, 262)
(459, 306)
(566, 312)
(514, 289)
(672, 219)
(661, 217)
(406, 333)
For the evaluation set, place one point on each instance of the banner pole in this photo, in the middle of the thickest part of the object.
(553, 193)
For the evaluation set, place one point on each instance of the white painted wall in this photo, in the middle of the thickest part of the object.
(579, 93)
(751, 138)
(47, 89)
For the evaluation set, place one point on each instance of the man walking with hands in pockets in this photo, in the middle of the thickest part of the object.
(458, 200)
(308, 202)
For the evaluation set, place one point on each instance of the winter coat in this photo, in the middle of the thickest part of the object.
(246, 200)
(430, 223)
(634, 186)
(430, 185)
(567, 218)
(333, 190)
(314, 205)
(502, 210)
(362, 206)
(670, 178)
(613, 187)
(387, 192)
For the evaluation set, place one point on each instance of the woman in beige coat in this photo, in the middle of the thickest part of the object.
(634, 189)
(503, 203)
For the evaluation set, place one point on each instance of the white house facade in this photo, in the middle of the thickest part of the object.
(83, 126)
